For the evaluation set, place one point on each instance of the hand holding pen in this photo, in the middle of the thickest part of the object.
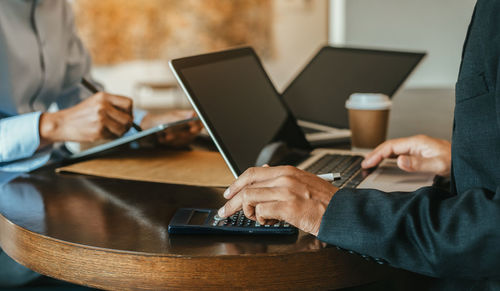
(94, 90)
(170, 137)
(101, 116)
(107, 116)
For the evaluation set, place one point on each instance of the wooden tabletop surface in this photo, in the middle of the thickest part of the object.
(112, 234)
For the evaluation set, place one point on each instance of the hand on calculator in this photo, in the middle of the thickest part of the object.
(282, 193)
(206, 221)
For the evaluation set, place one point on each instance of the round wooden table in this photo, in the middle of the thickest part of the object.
(112, 234)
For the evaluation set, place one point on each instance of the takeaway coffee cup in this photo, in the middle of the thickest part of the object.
(368, 117)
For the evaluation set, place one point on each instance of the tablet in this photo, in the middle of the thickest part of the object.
(129, 138)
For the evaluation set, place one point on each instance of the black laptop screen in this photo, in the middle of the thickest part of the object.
(319, 92)
(239, 104)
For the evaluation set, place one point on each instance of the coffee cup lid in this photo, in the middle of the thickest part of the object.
(368, 101)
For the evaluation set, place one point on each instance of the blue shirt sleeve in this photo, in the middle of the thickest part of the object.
(19, 141)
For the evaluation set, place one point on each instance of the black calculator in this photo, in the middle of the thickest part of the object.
(206, 221)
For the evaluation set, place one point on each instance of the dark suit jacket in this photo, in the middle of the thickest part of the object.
(455, 234)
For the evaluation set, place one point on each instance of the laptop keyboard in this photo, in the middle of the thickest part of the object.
(348, 166)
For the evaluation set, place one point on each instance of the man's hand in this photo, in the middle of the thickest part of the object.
(280, 193)
(101, 116)
(177, 136)
(418, 153)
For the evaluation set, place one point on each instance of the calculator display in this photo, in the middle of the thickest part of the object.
(198, 218)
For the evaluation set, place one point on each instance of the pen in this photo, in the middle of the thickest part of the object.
(94, 90)
(330, 176)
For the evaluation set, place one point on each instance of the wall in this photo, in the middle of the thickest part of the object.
(300, 28)
(436, 26)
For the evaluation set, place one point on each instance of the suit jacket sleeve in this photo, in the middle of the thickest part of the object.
(430, 231)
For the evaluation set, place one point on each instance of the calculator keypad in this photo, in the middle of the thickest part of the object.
(189, 221)
(240, 220)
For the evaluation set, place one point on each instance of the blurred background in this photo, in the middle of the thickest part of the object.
(132, 41)
(131, 54)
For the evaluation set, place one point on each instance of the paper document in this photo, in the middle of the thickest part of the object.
(196, 168)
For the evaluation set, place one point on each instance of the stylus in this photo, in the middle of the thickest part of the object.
(94, 90)
(330, 176)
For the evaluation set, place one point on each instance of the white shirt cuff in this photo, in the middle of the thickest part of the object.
(19, 136)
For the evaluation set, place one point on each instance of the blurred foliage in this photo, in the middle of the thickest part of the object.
(116, 31)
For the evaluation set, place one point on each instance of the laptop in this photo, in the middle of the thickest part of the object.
(317, 95)
(252, 126)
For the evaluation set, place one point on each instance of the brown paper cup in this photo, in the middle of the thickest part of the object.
(368, 127)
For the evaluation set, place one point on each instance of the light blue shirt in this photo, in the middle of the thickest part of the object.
(42, 61)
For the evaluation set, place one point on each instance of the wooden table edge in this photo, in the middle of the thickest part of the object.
(128, 270)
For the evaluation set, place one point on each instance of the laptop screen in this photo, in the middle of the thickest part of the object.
(238, 104)
(319, 92)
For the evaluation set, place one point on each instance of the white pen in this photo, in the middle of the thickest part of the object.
(330, 176)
